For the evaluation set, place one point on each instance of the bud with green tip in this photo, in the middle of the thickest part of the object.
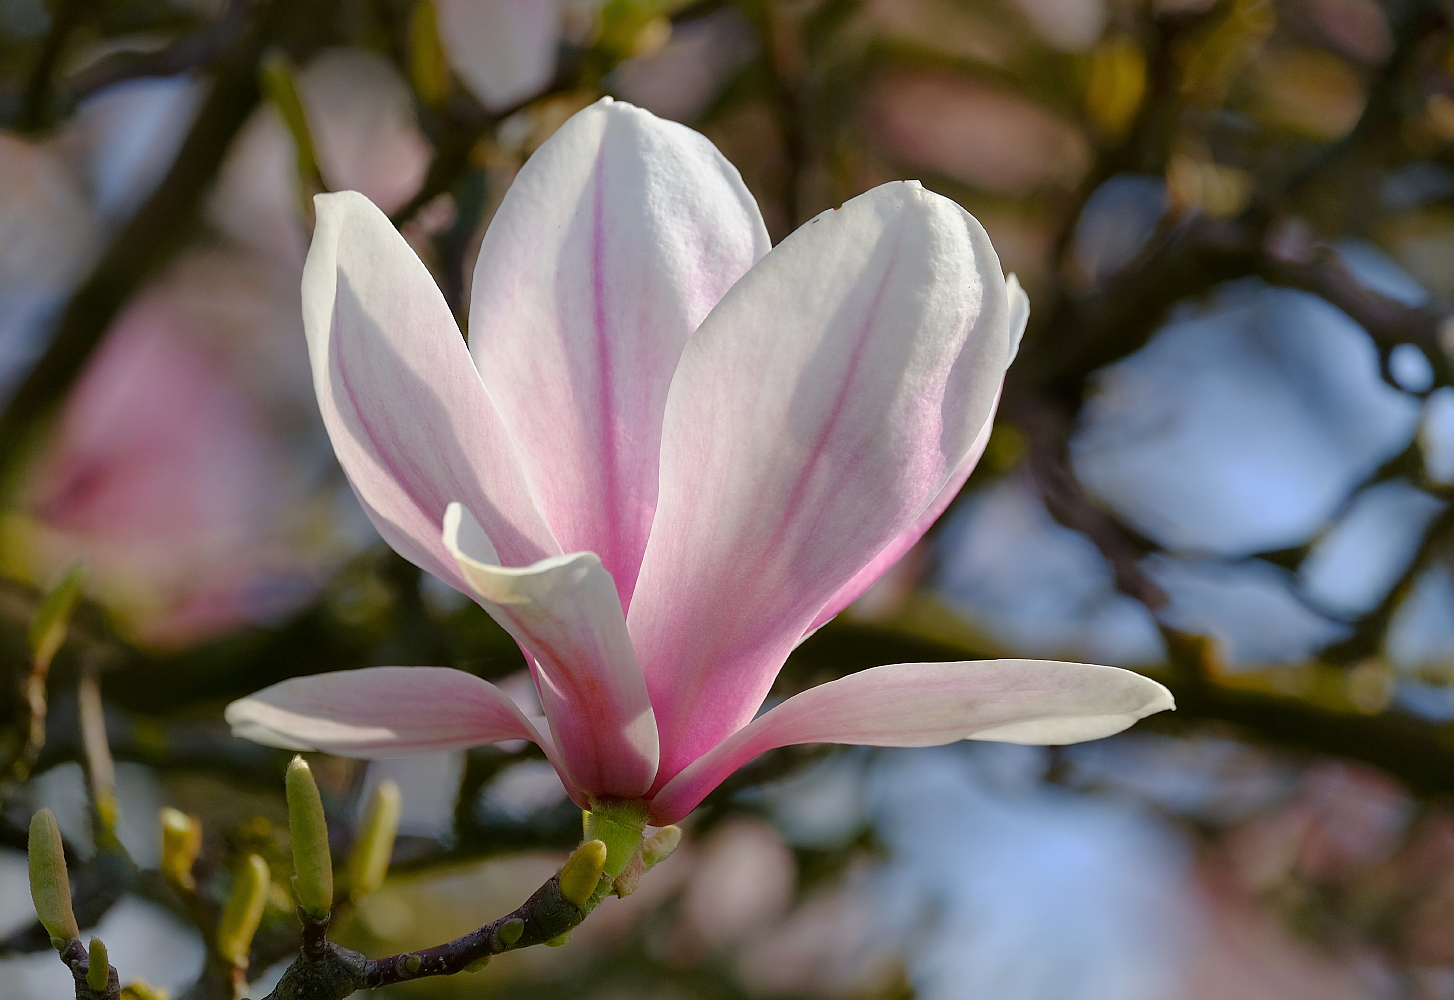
(244, 911)
(659, 845)
(312, 862)
(140, 990)
(50, 884)
(368, 862)
(98, 973)
(581, 874)
(181, 843)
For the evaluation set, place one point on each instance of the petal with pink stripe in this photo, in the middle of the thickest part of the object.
(616, 239)
(815, 415)
(408, 416)
(565, 614)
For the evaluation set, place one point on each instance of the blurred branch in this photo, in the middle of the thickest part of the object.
(35, 107)
(201, 49)
(1318, 269)
(149, 239)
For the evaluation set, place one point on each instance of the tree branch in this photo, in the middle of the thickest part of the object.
(339, 972)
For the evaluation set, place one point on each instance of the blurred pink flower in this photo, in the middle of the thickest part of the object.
(677, 453)
(158, 477)
(503, 50)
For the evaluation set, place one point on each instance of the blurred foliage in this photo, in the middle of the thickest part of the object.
(1271, 132)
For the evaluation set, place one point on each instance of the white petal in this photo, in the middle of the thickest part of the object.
(565, 614)
(924, 704)
(410, 421)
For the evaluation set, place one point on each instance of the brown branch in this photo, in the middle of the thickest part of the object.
(338, 972)
(33, 696)
(35, 108)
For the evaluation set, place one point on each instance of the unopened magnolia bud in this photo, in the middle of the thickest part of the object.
(244, 911)
(140, 990)
(50, 885)
(98, 974)
(579, 877)
(659, 845)
(368, 862)
(312, 863)
(181, 843)
(509, 932)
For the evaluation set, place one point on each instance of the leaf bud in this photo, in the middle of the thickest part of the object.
(98, 973)
(509, 932)
(659, 845)
(558, 940)
(142, 990)
(582, 872)
(312, 862)
(368, 862)
(244, 911)
(181, 843)
(50, 884)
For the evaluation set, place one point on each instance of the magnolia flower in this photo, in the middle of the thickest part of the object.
(676, 452)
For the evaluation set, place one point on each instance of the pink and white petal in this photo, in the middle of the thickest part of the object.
(410, 420)
(1019, 313)
(815, 415)
(885, 560)
(380, 712)
(503, 50)
(1019, 304)
(1041, 702)
(616, 239)
(564, 612)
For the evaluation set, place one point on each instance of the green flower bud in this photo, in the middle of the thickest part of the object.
(659, 845)
(50, 885)
(558, 940)
(141, 990)
(312, 863)
(98, 974)
(181, 843)
(368, 862)
(244, 911)
(579, 877)
(48, 630)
